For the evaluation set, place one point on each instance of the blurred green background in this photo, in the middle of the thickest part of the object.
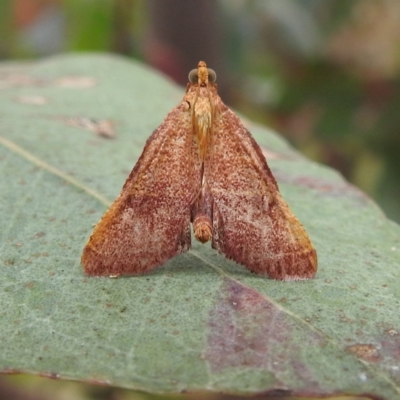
(325, 74)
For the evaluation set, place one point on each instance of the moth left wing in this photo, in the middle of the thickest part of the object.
(150, 220)
(252, 224)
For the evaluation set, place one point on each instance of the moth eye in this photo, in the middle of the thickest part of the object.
(187, 105)
(193, 77)
(212, 76)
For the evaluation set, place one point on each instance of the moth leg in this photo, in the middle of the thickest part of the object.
(184, 240)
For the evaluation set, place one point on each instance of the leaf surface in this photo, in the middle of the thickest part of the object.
(200, 322)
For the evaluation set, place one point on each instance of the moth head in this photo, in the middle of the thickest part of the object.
(202, 75)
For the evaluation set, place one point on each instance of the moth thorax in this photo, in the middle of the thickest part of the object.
(202, 227)
(203, 122)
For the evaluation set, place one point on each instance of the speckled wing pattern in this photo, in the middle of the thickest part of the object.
(252, 224)
(150, 220)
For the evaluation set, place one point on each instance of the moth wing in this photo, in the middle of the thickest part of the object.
(150, 220)
(252, 224)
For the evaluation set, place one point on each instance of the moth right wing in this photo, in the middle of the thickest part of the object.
(252, 224)
(149, 222)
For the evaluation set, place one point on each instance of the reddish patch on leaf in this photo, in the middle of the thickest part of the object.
(76, 82)
(390, 352)
(324, 187)
(367, 352)
(9, 80)
(32, 99)
(247, 330)
(103, 127)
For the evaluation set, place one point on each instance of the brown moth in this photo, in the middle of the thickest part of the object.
(200, 165)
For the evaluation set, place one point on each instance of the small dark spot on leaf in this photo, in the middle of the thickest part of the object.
(367, 352)
(101, 127)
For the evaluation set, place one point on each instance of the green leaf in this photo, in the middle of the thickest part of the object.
(200, 322)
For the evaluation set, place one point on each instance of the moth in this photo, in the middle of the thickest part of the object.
(200, 166)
